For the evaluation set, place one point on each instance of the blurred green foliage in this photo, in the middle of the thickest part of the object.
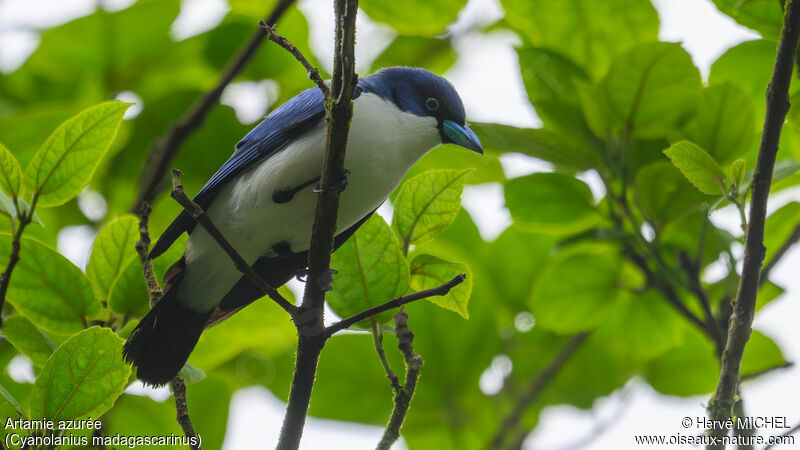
(667, 146)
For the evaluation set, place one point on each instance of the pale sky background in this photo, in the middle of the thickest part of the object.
(487, 78)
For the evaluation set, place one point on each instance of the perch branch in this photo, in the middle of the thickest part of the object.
(311, 71)
(404, 395)
(241, 265)
(740, 325)
(395, 303)
(536, 386)
(154, 292)
(167, 147)
(310, 321)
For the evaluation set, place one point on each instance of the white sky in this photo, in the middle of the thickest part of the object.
(487, 77)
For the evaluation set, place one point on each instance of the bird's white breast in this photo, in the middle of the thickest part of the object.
(383, 143)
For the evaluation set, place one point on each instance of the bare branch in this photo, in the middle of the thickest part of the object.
(402, 399)
(154, 292)
(395, 303)
(202, 219)
(740, 326)
(143, 249)
(311, 71)
(167, 147)
(309, 320)
(182, 412)
(23, 221)
(535, 388)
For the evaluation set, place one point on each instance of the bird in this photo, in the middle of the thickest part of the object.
(263, 201)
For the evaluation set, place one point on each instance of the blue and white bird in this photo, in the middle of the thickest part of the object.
(262, 200)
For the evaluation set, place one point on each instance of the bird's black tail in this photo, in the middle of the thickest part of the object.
(162, 341)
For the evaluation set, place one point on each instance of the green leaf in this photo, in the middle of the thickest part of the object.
(26, 338)
(779, 227)
(128, 294)
(513, 253)
(749, 66)
(10, 173)
(370, 269)
(698, 167)
(48, 289)
(550, 203)
(764, 16)
(424, 18)
(24, 207)
(649, 88)
(112, 251)
(6, 397)
(688, 369)
(427, 204)
(428, 272)
(761, 353)
(433, 53)
(68, 158)
(7, 207)
(191, 374)
(577, 289)
(82, 379)
(549, 79)
(738, 169)
(642, 326)
(262, 330)
(564, 151)
(724, 124)
(589, 33)
(665, 194)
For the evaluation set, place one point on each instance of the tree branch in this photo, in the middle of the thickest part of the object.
(311, 71)
(395, 303)
(309, 320)
(167, 147)
(241, 265)
(403, 396)
(536, 386)
(740, 326)
(182, 412)
(154, 292)
(793, 239)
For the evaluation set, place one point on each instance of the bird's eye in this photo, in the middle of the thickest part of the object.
(432, 104)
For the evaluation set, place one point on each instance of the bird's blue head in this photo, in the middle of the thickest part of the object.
(425, 94)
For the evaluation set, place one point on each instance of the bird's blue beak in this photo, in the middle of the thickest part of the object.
(461, 135)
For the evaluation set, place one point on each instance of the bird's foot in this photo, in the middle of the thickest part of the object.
(325, 281)
(340, 184)
(285, 195)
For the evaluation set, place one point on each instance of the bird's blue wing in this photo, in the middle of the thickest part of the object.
(286, 123)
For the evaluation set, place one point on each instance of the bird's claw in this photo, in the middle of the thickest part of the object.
(340, 184)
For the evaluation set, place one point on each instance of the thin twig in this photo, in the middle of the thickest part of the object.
(740, 326)
(182, 412)
(536, 386)
(200, 216)
(155, 292)
(377, 341)
(395, 303)
(167, 147)
(793, 239)
(142, 249)
(311, 71)
(404, 395)
(696, 287)
(310, 318)
(5, 278)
